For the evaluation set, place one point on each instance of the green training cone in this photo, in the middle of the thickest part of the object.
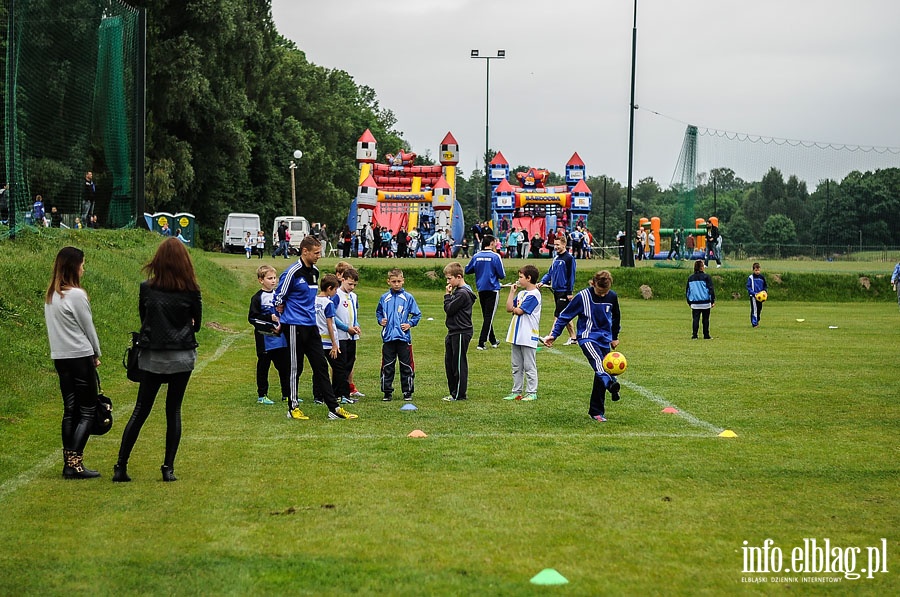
(549, 576)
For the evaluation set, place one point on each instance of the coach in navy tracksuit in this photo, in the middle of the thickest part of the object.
(488, 269)
(561, 276)
(599, 322)
(701, 297)
(295, 301)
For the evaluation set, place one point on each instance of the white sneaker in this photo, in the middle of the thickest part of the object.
(570, 342)
(357, 394)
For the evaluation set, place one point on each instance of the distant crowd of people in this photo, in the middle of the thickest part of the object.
(49, 216)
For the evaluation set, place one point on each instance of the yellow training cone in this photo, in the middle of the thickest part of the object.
(728, 433)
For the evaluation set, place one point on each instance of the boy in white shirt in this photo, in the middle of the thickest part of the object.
(328, 286)
(346, 318)
(523, 333)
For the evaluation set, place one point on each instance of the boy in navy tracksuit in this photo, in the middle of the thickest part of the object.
(488, 269)
(599, 322)
(561, 276)
(271, 346)
(397, 313)
(295, 301)
(458, 301)
(756, 283)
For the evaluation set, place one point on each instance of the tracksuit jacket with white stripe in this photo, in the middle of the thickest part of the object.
(599, 319)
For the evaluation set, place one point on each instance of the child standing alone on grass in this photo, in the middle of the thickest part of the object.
(458, 301)
(597, 331)
(271, 347)
(756, 283)
(397, 313)
(523, 333)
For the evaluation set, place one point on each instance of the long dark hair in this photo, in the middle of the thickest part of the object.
(65, 272)
(171, 268)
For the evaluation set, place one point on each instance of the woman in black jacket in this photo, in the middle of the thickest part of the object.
(171, 311)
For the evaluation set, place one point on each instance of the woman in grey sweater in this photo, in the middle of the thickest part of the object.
(75, 350)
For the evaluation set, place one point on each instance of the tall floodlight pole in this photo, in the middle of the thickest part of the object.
(628, 255)
(501, 54)
(12, 52)
(297, 155)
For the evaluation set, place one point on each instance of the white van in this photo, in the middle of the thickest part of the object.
(235, 228)
(298, 227)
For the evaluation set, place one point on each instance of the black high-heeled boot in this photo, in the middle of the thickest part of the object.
(168, 473)
(75, 469)
(120, 473)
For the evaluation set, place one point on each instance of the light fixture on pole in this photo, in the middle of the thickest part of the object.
(501, 54)
(297, 155)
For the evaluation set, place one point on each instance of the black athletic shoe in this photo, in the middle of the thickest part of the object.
(387, 398)
(614, 390)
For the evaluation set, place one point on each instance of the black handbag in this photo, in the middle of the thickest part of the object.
(103, 414)
(130, 359)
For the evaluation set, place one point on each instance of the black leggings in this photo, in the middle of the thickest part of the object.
(146, 397)
(78, 384)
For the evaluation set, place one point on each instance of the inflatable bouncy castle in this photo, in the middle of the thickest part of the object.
(400, 196)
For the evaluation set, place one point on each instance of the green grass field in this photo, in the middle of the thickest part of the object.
(648, 503)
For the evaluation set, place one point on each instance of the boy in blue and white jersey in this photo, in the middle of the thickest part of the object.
(756, 283)
(346, 318)
(488, 269)
(523, 334)
(325, 322)
(597, 331)
(397, 312)
(295, 301)
(895, 281)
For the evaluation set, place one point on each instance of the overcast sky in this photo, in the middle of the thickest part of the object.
(815, 70)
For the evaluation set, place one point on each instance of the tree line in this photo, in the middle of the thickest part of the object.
(229, 99)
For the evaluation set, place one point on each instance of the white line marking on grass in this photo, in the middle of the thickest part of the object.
(12, 485)
(696, 422)
(28, 476)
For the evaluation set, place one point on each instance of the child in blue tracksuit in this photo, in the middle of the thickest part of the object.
(701, 297)
(895, 281)
(271, 346)
(561, 277)
(397, 313)
(488, 269)
(597, 331)
(756, 283)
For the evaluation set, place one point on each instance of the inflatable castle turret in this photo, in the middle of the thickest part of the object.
(367, 192)
(498, 171)
(581, 193)
(442, 202)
